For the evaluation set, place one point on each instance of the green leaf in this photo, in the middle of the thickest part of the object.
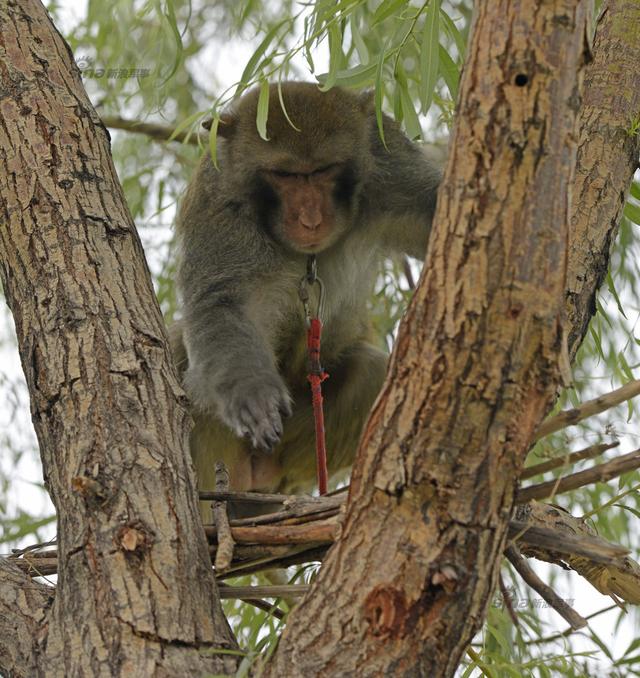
(397, 104)
(601, 645)
(429, 54)
(385, 10)
(627, 661)
(251, 67)
(468, 672)
(358, 41)
(597, 341)
(170, 17)
(263, 110)
(632, 212)
(603, 313)
(449, 71)
(635, 190)
(307, 46)
(335, 55)
(411, 120)
(184, 124)
(23, 525)
(636, 513)
(452, 31)
(612, 289)
(626, 370)
(358, 76)
(378, 95)
(284, 108)
(500, 638)
(213, 140)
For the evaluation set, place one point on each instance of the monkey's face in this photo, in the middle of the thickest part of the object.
(308, 209)
(303, 179)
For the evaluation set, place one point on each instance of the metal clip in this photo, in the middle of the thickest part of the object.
(307, 281)
(312, 269)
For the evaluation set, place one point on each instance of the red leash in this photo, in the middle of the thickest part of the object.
(316, 374)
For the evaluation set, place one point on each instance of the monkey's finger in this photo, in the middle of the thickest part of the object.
(265, 437)
(271, 430)
(285, 408)
(264, 425)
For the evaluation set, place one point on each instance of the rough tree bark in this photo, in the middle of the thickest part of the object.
(58, 190)
(607, 158)
(475, 369)
(135, 594)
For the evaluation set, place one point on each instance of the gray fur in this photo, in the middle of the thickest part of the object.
(242, 319)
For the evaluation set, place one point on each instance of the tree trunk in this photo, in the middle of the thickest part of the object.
(607, 158)
(475, 368)
(135, 594)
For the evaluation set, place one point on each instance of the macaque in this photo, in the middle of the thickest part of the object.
(323, 184)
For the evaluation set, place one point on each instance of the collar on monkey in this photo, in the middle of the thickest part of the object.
(316, 374)
(308, 280)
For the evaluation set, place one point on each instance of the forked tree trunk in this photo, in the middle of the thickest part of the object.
(475, 367)
(608, 152)
(474, 371)
(135, 594)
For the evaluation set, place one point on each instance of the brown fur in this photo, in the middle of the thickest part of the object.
(241, 343)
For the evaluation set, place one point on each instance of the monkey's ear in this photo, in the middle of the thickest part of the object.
(226, 124)
(366, 100)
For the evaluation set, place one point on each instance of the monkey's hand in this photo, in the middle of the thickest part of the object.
(253, 406)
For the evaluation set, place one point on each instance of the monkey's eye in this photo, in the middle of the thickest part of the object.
(325, 168)
(282, 174)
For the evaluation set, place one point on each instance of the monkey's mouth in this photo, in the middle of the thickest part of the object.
(309, 245)
(314, 247)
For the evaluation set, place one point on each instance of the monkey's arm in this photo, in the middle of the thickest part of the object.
(403, 192)
(231, 367)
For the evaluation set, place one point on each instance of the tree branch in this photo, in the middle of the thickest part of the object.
(154, 130)
(224, 552)
(607, 159)
(588, 409)
(474, 370)
(24, 605)
(597, 474)
(106, 404)
(548, 594)
(613, 574)
(567, 460)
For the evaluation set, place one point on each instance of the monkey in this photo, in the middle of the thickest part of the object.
(324, 183)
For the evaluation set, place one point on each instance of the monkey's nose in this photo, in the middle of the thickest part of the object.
(310, 219)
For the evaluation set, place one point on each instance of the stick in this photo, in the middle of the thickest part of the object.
(153, 130)
(303, 507)
(319, 531)
(588, 409)
(297, 557)
(254, 497)
(596, 474)
(224, 552)
(554, 541)
(253, 592)
(273, 610)
(548, 594)
(507, 601)
(567, 460)
(569, 631)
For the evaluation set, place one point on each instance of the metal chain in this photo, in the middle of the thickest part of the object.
(307, 281)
